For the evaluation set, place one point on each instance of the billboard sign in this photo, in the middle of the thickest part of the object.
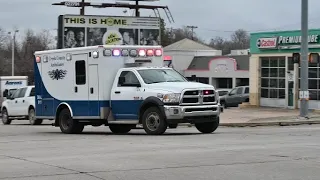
(88, 30)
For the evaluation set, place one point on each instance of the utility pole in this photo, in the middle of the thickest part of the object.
(192, 27)
(304, 93)
(13, 45)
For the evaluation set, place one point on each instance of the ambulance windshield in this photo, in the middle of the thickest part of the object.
(150, 76)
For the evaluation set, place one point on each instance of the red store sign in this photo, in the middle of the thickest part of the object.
(267, 43)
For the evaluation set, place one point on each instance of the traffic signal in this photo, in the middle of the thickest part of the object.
(296, 57)
(314, 58)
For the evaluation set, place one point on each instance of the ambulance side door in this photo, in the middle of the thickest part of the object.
(81, 85)
(125, 97)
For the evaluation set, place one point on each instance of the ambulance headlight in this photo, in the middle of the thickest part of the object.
(124, 52)
(142, 53)
(171, 98)
(116, 52)
(95, 54)
(133, 53)
(107, 52)
(69, 57)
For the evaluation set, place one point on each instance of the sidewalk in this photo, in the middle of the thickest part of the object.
(241, 117)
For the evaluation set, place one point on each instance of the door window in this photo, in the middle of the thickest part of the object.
(240, 90)
(22, 92)
(130, 78)
(32, 92)
(80, 72)
(16, 94)
(233, 91)
(246, 91)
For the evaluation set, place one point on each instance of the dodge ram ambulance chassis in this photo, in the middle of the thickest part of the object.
(120, 87)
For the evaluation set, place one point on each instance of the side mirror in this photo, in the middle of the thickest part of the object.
(122, 80)
(193, 77)
(5, 93)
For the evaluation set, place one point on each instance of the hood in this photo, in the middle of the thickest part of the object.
(177, 87)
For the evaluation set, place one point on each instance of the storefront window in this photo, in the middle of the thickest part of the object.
(273, 74)
(313, 81)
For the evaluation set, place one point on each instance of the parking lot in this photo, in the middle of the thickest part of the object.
(43, 152)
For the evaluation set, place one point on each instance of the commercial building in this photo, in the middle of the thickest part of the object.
(193, 58)
(274, 80)
(183, 52)
(223, 72)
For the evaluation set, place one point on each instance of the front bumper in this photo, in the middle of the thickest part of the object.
(192, 114)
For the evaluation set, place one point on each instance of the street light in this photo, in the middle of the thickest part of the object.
(13, 42)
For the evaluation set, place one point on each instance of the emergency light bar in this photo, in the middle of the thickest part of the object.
(132, 52)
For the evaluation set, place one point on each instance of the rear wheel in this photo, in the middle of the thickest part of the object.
(67, 124)
(153, 121)
(5, 117)
(208, 127)
(120, 128)
(32, 118)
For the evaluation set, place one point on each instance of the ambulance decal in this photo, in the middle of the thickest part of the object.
(57, 74)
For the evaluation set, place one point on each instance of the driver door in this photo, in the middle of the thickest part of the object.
(126, 98)
(231, 97)
(12, 106)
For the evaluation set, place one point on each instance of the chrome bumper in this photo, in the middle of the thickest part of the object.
(181, 112)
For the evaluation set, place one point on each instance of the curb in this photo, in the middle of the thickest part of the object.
(255, 124)
(275, 123)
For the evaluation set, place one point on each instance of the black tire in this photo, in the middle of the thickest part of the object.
(5, 117)
(208, 127)
(154, 122)
(31, 118)
(120, 128)
(224, 104)
(67, 124)
(173, 126)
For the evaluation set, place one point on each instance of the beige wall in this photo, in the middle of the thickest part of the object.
(254, 74)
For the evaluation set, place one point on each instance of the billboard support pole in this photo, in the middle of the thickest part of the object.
(137, 9)
(82, 7)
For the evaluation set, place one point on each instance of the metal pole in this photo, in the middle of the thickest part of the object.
(12, 58)
(304, 59)
(137, 9)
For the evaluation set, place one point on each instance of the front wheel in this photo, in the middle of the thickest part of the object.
(120, 129)
(32, 118)
(154, 122)
(208, 127)
(5, 117)
(67, 124)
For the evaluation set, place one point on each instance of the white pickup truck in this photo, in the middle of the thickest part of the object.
(21, 106)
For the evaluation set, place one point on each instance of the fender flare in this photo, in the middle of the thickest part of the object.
(151, 101)
(66, 104)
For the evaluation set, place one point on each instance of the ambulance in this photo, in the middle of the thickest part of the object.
(121, 87)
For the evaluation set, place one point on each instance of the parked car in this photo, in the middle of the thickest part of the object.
(235, 97)
(20, 105)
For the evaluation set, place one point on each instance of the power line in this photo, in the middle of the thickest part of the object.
(311, 20)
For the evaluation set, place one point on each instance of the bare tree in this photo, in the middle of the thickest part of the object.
(240, 39)
(24, 52)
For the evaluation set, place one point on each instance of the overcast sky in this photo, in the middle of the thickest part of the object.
(213, 17)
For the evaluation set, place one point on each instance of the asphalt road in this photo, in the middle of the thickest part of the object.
(275, 153)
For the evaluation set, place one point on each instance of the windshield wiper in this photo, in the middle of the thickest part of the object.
(174, 81)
